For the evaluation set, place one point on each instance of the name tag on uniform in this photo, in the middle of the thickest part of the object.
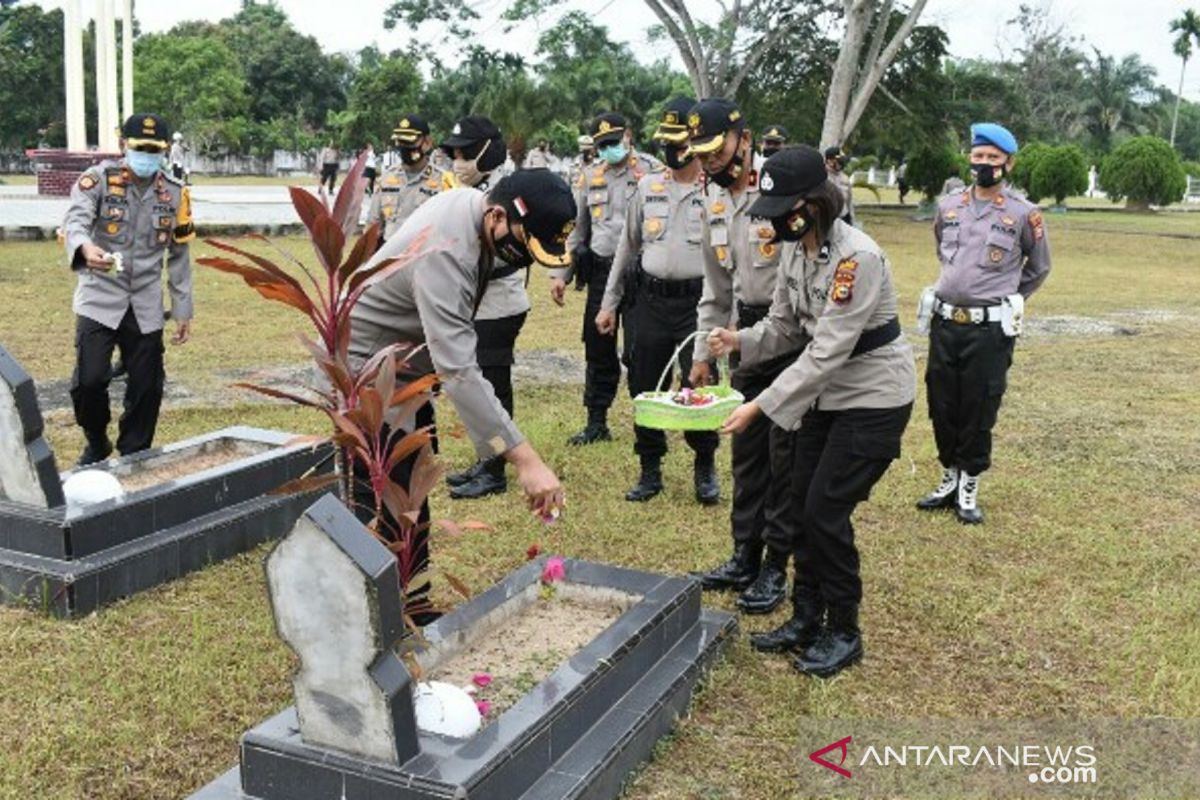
(718, 236)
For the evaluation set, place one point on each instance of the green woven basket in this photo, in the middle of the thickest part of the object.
(657, 410)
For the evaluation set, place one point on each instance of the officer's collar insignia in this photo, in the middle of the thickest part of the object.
(767, 183)
(718, 207)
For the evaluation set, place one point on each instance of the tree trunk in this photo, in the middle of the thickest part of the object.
(1178, 97)
(841, 85)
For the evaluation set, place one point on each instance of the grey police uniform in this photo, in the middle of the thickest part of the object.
(148, 225)
(658, 258)
(400, 193)
(740, 264)
(988, 252)
(603, 193)
(847, 397)
(846, 187)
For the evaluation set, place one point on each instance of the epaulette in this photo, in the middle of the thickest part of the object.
(448, 181)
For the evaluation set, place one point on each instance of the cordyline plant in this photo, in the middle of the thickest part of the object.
(363, 401)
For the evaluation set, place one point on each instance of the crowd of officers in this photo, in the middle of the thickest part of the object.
(726, 263)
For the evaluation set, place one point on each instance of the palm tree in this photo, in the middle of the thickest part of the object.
(1114, 88)
(1188, 29)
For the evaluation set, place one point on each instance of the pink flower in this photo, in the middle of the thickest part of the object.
(554, 570)
(484, 707)
(481, 679)
(534, 550)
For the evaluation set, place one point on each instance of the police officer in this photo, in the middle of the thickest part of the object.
(127, 217)
(478, 150)
(410, 181)
(602, 195)
(835, 164)
(740, 260)
(773, 140)
(177, 155)
(847, 398)
(992, 246)
(587, 154)
(523, 219)
(658, 255)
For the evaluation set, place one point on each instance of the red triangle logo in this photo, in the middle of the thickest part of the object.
(841, 745)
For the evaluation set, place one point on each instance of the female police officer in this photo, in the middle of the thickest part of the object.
(847, 398)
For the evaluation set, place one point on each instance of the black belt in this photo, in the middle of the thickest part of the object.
(601, 262)
(503, 271)
(877, 337)
(688, 287)
(748, 315)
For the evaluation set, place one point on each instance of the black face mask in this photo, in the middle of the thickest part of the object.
(511, 251)
(412, 155)
(792, 226)
(769, 150)
(671, 156)
(988, 174)
(730, 173)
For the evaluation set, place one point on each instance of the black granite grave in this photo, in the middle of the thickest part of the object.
(578, 734)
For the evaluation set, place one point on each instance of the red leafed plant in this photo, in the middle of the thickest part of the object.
(363, 400)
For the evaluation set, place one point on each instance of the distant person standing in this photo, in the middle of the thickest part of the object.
(329, 166)
(835, 164)
(370, 167)
(539, 157)
(177, 154)
(902, 180)
(992, 246)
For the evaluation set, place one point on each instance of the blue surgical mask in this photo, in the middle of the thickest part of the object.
(614, 153)
(144, 165)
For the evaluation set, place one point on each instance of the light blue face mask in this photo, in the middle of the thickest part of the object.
(143, 165)
(613, 153)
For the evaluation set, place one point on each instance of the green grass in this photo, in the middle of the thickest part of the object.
(1078, 598)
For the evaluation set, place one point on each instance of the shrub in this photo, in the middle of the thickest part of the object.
(1059, 172)
(1144, 170)
(929, 167)
(1191, 168)
(1026, 161)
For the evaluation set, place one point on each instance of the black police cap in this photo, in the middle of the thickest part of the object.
(608, 128)
(146, 129)
(775, 133)
(786, 177)
(672, 125)
(410, 130)
(709, 121)
(469, 130)
(545, 206)
(833, 152)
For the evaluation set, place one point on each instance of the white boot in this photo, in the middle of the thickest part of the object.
(968, 500)
(943, 495)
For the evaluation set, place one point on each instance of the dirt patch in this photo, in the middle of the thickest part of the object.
(524, 649)
(1076, 326)
(170, 466)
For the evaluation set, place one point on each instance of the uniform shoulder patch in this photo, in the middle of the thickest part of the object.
(1037, 224)
(843, 281)
(86, 181)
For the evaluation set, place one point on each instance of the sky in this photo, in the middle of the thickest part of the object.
(1116, 27)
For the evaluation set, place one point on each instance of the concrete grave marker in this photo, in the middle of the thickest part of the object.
(27, 470)
(336, 599)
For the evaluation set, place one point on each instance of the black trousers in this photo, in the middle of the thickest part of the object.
(329, 175)
(364, 506)
(143, 357)
(654, 327)
(965, 380)
(838, 457)
(494, 351)
(603, 371)
(761, 512)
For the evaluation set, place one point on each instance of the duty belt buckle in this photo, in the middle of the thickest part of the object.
(961, 316)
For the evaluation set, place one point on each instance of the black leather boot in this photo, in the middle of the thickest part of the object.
(465, 476)
(944, 495)
(649, 484)
(596, 429)
(97, 449)
(839, 647)
(736, 573)
(490, 480)
(704, 475)
(805, 627)
(769, 588)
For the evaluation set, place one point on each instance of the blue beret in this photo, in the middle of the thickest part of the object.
(995, 135)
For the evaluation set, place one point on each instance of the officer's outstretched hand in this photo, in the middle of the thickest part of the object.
(543, 491)
(701, 374)
(606, 322)
(558, 290)
(183, 331)
(722, 341)
(741, 418)
(95, 257)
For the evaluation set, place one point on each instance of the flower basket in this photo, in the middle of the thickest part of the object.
(659, 410)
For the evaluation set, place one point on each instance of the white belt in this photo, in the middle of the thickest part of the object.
(964, 314)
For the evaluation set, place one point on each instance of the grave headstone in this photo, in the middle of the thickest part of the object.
(335, 594)
(28, 473)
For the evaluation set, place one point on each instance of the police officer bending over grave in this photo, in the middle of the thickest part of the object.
(127, 217)
(525, 218)
(992, 246)
(660, 251)
(847, 398)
